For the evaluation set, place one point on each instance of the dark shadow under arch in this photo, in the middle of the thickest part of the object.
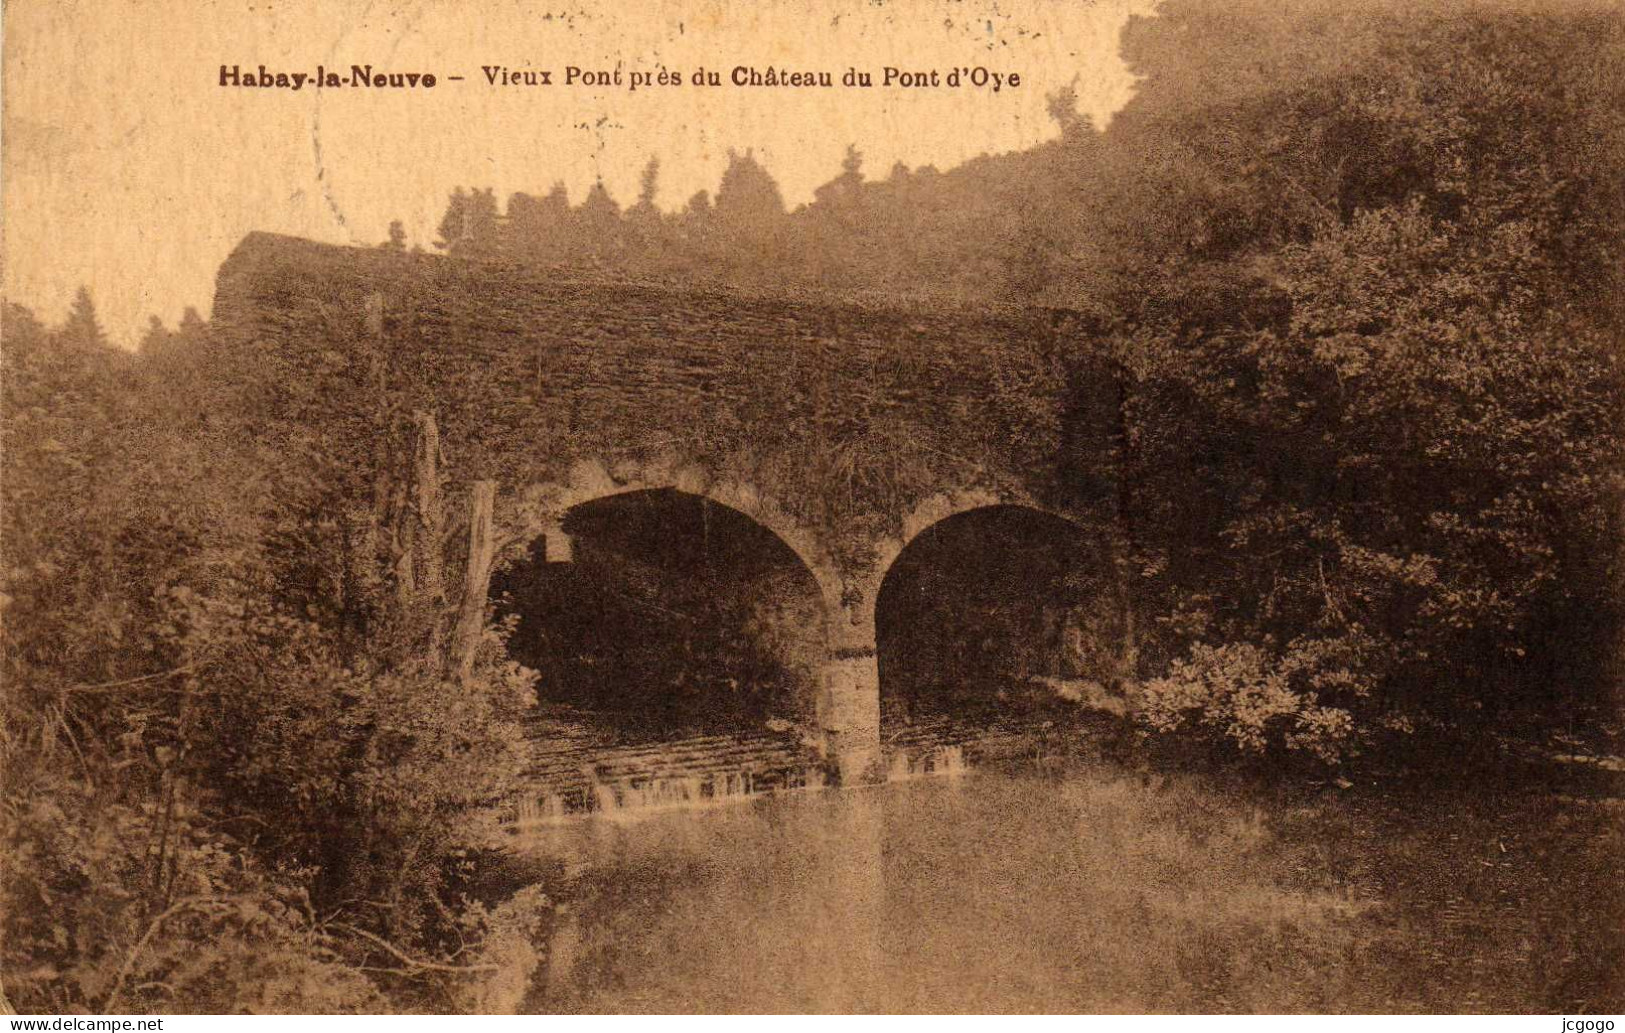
(993, 613)
(677, 616)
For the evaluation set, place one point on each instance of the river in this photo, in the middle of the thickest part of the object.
(1088, 890)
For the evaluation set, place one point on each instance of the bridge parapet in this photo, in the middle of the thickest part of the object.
(847, 415)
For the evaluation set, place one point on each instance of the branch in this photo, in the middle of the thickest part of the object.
(146, 938)
(84, 765)
(105, 686)
(414, 962)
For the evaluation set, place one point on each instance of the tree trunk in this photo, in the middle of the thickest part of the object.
(382, 460)
(1127, 546)
(477, 579)
(431, 523)
(403, 548)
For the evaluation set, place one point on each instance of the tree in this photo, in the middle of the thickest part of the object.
(598, 225)
(1376, 415)
(748, 199)
(1062, 106)
(470, 223)
(157, 338)
(83, 329)
(648, 187)
(648, 244)
(750, 228)
(843, 190)
(454, 225)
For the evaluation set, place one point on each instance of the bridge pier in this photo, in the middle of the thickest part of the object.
(849, 694)
(849, 711)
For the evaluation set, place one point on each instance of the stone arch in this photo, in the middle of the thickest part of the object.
(924, 515)
(591, 479)
(847, 706)
(904, 634)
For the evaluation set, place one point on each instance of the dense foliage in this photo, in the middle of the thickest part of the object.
(1362, 272)
(221, 795)
(1376, 436)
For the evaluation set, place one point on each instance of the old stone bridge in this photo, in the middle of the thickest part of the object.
(847, 427)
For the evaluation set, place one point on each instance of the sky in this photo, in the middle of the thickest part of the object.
(128, 168)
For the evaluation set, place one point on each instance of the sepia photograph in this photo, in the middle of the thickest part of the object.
(812, 507)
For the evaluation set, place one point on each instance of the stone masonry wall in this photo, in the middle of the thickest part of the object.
(848, 415)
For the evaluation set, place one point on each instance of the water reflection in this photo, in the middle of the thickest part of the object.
(987, 892)
(1067, 890)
